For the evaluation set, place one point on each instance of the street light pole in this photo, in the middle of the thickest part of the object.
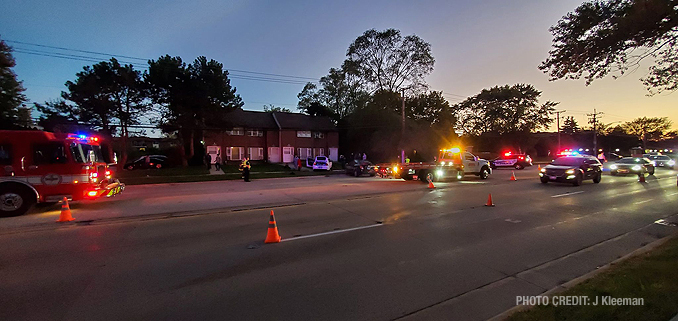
(558, 129)
(402, 130)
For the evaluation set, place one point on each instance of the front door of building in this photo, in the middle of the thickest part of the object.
(288, 154)
(274, 154)
(213, 151)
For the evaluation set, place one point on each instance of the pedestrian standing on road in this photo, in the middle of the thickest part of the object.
(217, 162)
(246, 169)
(294, 161)
(298, 164)
(208, 160)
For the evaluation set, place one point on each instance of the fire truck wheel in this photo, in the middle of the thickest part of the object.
(15, 200)
(518, 166)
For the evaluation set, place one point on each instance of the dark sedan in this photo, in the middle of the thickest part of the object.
(144, 162)
(360, 167)
(632, 165)
(572, 169)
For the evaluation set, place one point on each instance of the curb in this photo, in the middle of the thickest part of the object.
(569, 284)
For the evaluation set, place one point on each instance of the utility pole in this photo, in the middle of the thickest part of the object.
(558, 124)
(402, 130)
(595, 134)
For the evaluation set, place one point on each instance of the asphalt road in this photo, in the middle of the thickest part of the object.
(353, 248)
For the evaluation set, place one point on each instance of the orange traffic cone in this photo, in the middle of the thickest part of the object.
(65, 212)
(489, 200)
(272, 236)
(641, 178)
(430, 184)
(513, 176)
(539, 167)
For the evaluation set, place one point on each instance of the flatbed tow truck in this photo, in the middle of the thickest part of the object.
(451, 163)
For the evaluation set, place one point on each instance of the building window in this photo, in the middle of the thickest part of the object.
(304, 153)
(238, 131)
(318, 152)
(256, 153)
(304, 133)
(235, 153)
(50, 153)
(255, 133)
(318, 135)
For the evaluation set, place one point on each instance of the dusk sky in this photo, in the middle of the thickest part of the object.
(476, 44)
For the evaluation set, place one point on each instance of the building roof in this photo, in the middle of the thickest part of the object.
(249, 119)
(304, 122)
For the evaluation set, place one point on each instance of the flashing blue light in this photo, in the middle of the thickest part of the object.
(575, 153)
(82, 136)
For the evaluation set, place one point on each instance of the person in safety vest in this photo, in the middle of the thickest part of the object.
(245, 167)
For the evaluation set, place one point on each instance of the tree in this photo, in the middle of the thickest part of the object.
(273, 109)
(430, 107)
(505, 110)
(569, 126)
(387, 61)
(649, 128)
(11, 90)
(190, 97)
(340, 94)
(611, 36)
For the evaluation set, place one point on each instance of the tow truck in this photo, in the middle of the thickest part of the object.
(44, 167)
(451, 163)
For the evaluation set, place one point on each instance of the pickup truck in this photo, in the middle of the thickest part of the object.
(452, 163)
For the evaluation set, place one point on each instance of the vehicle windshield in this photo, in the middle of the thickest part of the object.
(567, 161)
(85, 153)
(631, 160)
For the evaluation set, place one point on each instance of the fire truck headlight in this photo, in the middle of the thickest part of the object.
(442, 163)
(439, 173)
(395, 169)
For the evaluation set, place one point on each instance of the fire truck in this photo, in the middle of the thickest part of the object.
(451, 163)
(44, 167)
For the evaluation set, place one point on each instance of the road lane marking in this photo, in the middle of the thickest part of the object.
(672, 194)
(567, 194)
(331, 232)
(641, 202)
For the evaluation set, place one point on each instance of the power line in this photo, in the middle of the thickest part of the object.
(78, 50)
(137, 58)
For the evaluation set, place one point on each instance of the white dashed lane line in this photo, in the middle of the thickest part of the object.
(641, 202)
(567, 194)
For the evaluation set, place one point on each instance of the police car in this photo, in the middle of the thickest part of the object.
(509, 159)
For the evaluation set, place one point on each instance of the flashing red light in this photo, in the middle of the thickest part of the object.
(507, 154)
(521, 157)
(92, 193)
(108, 173)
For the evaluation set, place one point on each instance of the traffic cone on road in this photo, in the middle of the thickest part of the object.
(65, 212)
(641, 178)
(430, 184)
(272, 236)
(513, 176)
(489, 200)
(539, 167)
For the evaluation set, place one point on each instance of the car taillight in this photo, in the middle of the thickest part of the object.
(314, 163)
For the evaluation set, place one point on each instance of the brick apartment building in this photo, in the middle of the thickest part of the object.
(274, 137)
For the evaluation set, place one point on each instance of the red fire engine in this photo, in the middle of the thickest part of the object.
(43, 167)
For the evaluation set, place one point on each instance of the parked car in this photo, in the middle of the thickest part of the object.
(662, 161)
(632, 165)
(322, 163)
(154, 161)
(572, 169)
(360, 167)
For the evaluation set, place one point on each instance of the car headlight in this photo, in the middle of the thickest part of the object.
(653, 163)
(613, 166)
(569, 171)
(543, 170)
(636, 168)
(439, 173)
(671, 162)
